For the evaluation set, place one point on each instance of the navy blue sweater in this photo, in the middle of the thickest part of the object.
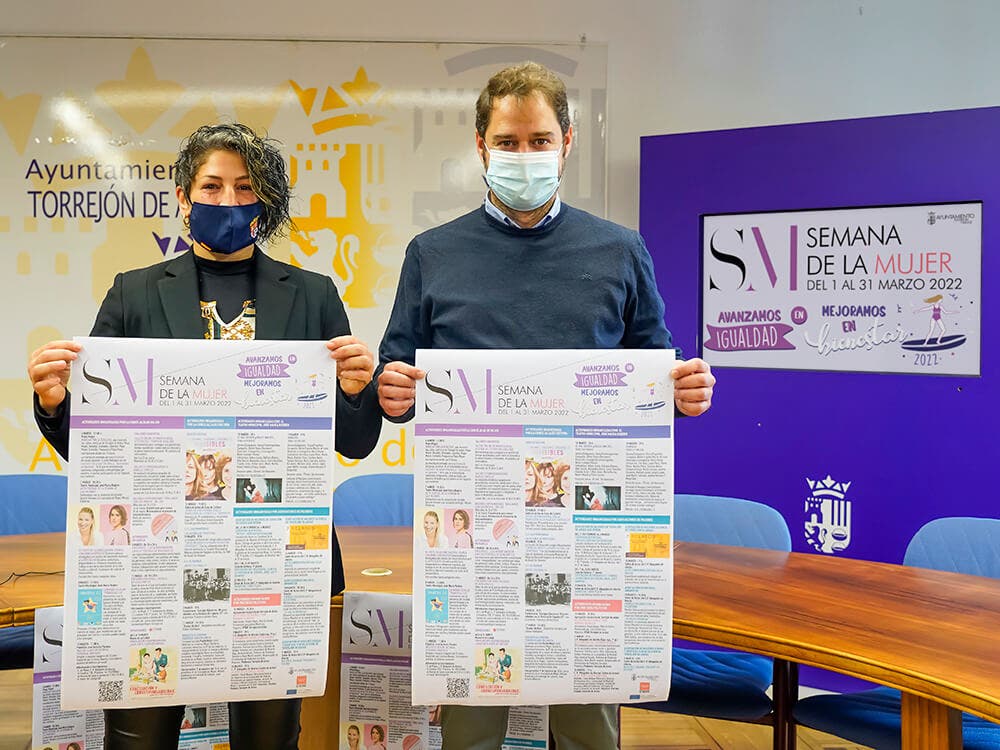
(579, 282)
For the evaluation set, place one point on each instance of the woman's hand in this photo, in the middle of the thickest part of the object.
(355, 363)
(48, 369)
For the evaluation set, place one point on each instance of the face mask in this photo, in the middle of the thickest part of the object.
(523, 181)
(224, 229)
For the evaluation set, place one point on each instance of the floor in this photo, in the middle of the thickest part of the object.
(641, 730)
(651, 730)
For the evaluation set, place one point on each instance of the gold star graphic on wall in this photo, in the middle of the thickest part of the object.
(17, 115)
(140, 98)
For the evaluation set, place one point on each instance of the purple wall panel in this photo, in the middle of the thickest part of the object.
(914, 447)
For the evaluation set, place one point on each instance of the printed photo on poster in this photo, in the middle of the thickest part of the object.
(208, 475)
(459, 528)
(429, 532)
(87, 526)
(598, 497)
(547, 588)
(115, 524)
(550, 480)
(206, 585)
(258, 490)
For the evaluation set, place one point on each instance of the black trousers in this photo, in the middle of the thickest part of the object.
(253, 725)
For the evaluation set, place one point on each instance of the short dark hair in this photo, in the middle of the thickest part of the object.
(265, 166)
(522, 81)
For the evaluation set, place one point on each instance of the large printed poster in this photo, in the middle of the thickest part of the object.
(543, 513)
(379, 141)
(198, 527)
(882, 289)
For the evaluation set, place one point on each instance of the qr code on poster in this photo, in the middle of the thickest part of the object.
(109, 691)
(458, 687)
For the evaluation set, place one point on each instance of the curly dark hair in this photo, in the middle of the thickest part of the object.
(265, 165)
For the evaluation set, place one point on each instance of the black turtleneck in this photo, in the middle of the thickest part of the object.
(228, 283)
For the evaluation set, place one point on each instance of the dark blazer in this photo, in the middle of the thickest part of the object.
(162, 301)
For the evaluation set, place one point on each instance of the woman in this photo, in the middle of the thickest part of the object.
(224, 477)
(252, 493)
(160, 660)
(937, 310)
(490, 672)
(546, 494)
(117, 518)
(530, 481)
(377, 735)
(353, 737)
(233, 194)
(192, 475)
(564, 483)
(147, 671)
(89, 536)
(433, 536)
(208, 486)
(461, 523)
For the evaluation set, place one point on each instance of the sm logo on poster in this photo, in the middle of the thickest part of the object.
(455, 391)
(375, 628)
(113, 382)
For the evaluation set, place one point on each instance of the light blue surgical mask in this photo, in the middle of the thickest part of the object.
(523, 181)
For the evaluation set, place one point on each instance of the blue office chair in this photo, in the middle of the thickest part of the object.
(730, 684)
(374, 500)
(874, 717)
(30, 504)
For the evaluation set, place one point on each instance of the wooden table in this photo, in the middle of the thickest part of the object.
(20, 597)
(931, 635)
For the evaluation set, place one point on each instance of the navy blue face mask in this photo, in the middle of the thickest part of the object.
(224, 229)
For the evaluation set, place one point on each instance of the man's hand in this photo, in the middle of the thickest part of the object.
(48, 369)
(693, 384)
(355, 364)
(397, 388)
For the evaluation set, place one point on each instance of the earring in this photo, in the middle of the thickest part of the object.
(187, 221)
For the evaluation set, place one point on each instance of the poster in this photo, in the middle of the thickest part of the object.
(883, 289)
(543, 565)
(198, 553)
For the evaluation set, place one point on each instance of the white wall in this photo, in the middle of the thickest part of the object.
(674, 65)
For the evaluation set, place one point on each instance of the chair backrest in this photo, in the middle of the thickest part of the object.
(958, 545)
(374, 500)
(32, 503)
(712, 519)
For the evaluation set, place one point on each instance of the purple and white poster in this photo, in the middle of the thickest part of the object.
(875, 289)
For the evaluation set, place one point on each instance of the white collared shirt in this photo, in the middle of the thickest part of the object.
(500, 216)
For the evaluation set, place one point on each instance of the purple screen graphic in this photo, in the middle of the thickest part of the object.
(912, 448)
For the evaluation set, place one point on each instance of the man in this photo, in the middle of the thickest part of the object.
(160, 660)
(526, 271)
(504, 663)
